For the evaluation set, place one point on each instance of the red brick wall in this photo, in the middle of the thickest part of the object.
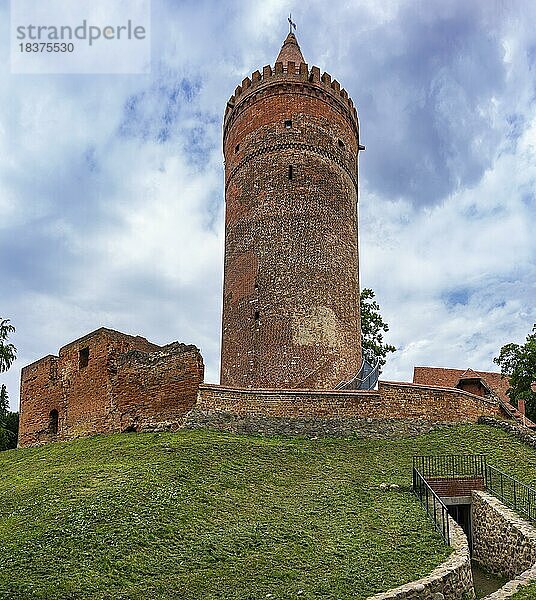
(391, 401)
(128, 383)
(41, 392)
(434, 403)
(460, 486)
(287, 403)
(291, 290)
(156, 388)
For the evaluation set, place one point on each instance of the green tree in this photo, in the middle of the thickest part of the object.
(518, 363)
(8, 420)
(4, 401)
(372, 329)
(8, 352)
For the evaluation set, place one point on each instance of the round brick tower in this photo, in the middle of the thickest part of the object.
(291, 289)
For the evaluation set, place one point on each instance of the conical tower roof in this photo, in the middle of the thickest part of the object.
(290, 51)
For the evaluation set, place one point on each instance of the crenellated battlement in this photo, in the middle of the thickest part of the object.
(290, 72)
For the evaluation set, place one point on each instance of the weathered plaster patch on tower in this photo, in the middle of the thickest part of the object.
(320, 326)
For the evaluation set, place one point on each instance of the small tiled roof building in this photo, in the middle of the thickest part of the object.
(481, 383)
(452, 377)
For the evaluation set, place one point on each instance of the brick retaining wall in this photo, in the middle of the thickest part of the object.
(459, 486)
(393, 409)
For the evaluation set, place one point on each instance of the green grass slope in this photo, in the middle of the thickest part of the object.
(205, 515)
(526, 593)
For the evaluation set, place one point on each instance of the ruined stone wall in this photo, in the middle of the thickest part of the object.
(86, 388)
(40, 393)
(503, 543)
(395, 409)
(156, 389)
(291, 291)
(108, 381)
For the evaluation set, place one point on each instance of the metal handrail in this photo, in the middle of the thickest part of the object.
(356, 382)
(451, 465)
(438, 511)
(511, 492)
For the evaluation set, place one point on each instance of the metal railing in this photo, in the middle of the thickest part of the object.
(511, 492)
(432, 503)
(365, 379)
(451, 465)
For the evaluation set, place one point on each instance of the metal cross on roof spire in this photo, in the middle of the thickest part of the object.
(290, 23)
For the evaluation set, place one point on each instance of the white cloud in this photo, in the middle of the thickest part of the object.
(478, 243)
(111, 188)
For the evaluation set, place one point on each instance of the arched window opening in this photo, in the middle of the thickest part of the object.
(53, 422)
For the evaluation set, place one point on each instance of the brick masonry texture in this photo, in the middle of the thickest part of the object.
(291, 290)
(128, 384)
(452, 580)
(503, 543)
(394, 409)
(481, 383)
(450, 488)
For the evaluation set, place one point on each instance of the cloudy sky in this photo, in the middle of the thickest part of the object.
(111, 186)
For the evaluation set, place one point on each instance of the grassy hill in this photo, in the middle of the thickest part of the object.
(204, 515)
(527, 593)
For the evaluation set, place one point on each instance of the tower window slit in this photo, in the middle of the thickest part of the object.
(290, 172)
(257, 315)
(83, 358)
(53, 422)
(288, 124)
(237, 148)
